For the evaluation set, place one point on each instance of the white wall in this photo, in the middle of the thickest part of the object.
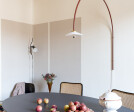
(0, 50)
(65, 53)
(41, 57)
(15, 55)
(57, 54)
(99, 55)
(18, 11)
(95, 48)
(0, 61)
(96, 40)
(124, 53)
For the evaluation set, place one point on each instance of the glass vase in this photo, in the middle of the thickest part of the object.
(49, 83)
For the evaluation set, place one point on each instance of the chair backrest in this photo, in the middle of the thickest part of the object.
(71, 88)
(29, 88)
(127, 98)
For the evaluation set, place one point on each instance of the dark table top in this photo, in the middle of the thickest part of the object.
(27, 102)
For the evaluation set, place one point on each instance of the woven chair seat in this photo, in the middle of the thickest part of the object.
(127, 98)
(71, 88)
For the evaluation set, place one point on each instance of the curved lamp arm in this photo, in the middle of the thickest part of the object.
(112, 38)
(75, 14)
(74, 33)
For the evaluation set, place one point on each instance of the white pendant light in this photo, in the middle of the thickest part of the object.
(74, 34)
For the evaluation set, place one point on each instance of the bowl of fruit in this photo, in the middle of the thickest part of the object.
(71, 107)
(77, 107)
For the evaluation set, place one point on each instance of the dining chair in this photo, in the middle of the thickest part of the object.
(29, 88)
(23, 88)
(1, 108)
(127, 98)
(71, 88)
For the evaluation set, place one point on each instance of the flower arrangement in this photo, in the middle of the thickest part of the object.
(49, 77)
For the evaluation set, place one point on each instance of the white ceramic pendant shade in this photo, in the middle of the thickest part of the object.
(74, 34)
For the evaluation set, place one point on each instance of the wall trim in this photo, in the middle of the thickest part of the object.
(0, 65)
(49, 47)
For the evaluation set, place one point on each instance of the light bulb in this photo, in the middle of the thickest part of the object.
(35, 49)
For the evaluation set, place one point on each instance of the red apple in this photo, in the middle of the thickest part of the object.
(71, 103)
(87, 111)
(46, 100)
(69, 111)
(52, 110)
(82, 104)
(39, 101)
(76, 103)
(66, 107)
(91, 110)
(73, 107)
(39, 108)
(54, 106)
(77, 107)
(83, 107)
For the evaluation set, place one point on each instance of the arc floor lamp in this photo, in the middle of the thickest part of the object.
(74, 33)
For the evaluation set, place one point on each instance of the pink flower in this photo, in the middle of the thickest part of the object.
(49, 77)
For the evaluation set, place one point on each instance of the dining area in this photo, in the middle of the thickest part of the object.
(70, 99)
(66, 56)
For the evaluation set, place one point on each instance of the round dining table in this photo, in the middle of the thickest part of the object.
(28, 102)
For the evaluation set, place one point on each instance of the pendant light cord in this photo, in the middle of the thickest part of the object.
(75, 14)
